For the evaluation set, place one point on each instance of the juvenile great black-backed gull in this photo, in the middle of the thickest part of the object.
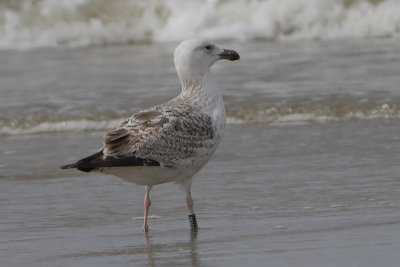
(172, 141)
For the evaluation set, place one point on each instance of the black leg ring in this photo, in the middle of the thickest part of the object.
(193, 222)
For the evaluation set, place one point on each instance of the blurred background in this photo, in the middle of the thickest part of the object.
(44, 23)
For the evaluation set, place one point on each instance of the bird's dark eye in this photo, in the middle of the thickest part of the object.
(208, 47)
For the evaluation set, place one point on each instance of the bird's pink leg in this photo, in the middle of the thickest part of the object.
(192, 216)
(147, 204)
(189, 201)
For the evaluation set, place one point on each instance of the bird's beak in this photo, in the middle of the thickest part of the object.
(229, 54)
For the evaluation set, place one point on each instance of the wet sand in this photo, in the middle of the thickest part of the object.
(289, 199)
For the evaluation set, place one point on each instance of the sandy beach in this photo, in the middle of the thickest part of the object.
(303, 204)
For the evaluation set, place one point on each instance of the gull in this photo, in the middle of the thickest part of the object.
(172, 141)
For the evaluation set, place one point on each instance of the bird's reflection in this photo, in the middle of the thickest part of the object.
(193, 255)
(193, 248)
(149, 250)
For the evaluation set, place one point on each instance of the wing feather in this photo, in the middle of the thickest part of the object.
(161, 136)
(165, 134)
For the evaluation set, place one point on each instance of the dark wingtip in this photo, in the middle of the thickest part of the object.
(97, 161)
(88, 167)
(84, 164)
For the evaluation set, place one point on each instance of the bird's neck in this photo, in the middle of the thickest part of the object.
(204, 93)
(202, 88)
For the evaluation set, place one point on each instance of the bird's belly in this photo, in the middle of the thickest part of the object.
(151, 175)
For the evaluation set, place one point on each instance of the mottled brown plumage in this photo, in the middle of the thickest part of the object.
(166, 133)
(174, 140)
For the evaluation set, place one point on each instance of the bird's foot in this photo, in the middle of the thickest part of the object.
(145, 228)
(193, 222)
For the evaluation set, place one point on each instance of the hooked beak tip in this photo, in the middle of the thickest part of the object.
(229, 55)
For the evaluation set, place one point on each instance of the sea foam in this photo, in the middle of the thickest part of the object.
(44, 23)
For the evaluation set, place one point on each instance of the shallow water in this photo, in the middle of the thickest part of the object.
(307, 173)
(95, 88)
(311, 195)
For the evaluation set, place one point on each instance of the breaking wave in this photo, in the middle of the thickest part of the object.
(51, 23)
(330, 109)
(60, 126)
(299, 111)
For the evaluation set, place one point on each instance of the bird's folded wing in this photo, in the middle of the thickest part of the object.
(162, 134)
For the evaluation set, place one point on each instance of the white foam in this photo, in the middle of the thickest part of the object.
(84, 22)
(303, 118)
(280, 227)
(64, 126)
(150, 217)
(334, 206)
(233, 120)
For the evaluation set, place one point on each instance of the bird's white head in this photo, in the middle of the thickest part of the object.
(193, 59)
